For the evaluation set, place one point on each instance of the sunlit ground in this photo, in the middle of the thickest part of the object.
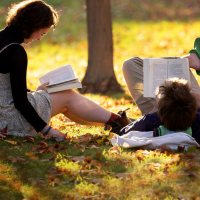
(87, 166)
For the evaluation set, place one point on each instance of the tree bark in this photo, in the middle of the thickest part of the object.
(100, 77)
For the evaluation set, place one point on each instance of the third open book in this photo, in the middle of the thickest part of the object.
(157, 70)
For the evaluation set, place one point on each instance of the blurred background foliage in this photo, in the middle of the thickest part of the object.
(145, 28)
(44, 171)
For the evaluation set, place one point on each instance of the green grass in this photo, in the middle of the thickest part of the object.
(44, 170)
(81, 171)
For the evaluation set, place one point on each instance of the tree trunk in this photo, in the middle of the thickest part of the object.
(100, 77)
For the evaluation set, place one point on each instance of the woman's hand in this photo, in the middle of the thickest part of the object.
(194, 61)
(43, 86)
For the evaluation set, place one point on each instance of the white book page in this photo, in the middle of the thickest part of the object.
(58, 75)
(179, 68)
(146, 79)
(157, 75)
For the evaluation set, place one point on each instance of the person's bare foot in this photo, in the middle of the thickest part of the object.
(194, 61)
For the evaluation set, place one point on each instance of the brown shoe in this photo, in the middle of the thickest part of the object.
(117, 124)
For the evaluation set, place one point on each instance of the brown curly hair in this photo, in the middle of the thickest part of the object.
(176, 105)
(30, 16)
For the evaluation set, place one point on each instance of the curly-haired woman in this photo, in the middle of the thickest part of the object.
(23, 112)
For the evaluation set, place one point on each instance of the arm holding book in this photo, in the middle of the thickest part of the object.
(194, 56)
(42, 86)
(62, 78)
(194, 61)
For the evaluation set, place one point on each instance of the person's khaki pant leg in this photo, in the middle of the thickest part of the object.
(194, 84)
(133, 74)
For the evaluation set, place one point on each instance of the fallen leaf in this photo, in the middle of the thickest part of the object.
(2, 136)
(29, 139)
(78, 158)
(16, 159)
(83, 138)
(96, 181)
(115, 150)
(96, 164)
(43, 144)
(31, 155)
(70, 124)
(123, 175)
(93, 147)
(11, 142)
(43, 147)
(56, 146)
(89, 171)
(53, 181)
(192, 175)
(52, 158)
(45, 160)
(88, 159)
(80, 147)
(39, 183)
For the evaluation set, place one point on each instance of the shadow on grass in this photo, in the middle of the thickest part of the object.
(30, 170)
(29, 175)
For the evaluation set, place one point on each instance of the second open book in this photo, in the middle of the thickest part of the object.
(157, 70)
(62, 78)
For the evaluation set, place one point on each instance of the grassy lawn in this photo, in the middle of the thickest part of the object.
(87, 166)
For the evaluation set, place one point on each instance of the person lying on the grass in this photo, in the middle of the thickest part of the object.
(133, 74)
(177, 112)
(25, 113)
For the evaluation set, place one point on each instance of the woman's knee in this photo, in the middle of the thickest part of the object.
(130, 65)
(69, 96)
(127, 65)
(69, 92)
(63, 98)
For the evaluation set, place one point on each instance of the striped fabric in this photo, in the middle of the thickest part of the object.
(11, 118)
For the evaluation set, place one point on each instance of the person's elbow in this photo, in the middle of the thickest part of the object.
(19, 105)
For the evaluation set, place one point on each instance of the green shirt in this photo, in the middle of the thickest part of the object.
(161, 130)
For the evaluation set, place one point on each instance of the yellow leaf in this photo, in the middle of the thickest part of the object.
(11, 142)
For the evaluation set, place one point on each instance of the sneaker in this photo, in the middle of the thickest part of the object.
(119, 123)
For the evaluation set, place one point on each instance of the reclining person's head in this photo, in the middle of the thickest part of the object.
(176, 105)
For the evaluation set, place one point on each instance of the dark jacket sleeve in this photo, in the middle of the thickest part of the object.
(148, 122)
(18, 68)
(196, 127)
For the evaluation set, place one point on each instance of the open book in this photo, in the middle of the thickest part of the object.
(62, 78)
(157, 70)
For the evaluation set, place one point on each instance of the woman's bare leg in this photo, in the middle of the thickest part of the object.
(78, 108)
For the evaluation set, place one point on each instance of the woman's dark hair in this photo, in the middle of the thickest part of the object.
(176, 105)
(30, 16)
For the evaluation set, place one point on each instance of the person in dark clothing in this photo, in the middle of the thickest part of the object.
(177, 111)
(23, 112)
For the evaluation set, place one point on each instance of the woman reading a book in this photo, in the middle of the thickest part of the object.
(23, 112)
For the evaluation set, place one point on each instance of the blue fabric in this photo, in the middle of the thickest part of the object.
(150, 122)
